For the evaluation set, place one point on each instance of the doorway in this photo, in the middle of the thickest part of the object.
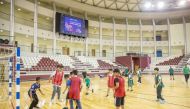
(136, 64)
(65, 51)
(103, 53)
(93, 52)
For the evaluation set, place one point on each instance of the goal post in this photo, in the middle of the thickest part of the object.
(10, 67)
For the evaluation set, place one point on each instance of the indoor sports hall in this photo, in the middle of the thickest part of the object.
(94, 54)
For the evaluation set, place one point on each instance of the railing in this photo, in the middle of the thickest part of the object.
(41, 50)
(50, 51)
(110, 37)
(148, 39)
(27, 21)
(111, 55)
(107, 37)
(134, 38)
(91, 35)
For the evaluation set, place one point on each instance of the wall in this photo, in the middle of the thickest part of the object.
(177, 34)
(120, 50)
(24, 42)
(176, 30)
(177, 50)
(46, 42)
(93, 46)
(188, 37)
(71, 45)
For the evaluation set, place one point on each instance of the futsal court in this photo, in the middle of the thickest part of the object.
(175, 93)
(94, 54)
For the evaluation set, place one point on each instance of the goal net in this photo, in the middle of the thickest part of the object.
(7, 63)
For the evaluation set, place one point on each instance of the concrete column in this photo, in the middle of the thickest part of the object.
(11, 22)
(127, 35)
(169, 37)
(86, 39)
(185, 35)
(154, 35)
(54, 32)
(141, 35)
(70, 12)
(100, 36)
(35, 25)
(114, 46)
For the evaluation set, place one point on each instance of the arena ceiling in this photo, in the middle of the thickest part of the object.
(138, 5)
(93, 9)
(144, 9)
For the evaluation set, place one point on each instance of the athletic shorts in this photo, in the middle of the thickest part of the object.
(171, 74)
(88, 86)
(119, 101)
(186, 76)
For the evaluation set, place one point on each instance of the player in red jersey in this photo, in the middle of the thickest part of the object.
(74, 90)
(119, 89)
(57, 77)
(110, 81)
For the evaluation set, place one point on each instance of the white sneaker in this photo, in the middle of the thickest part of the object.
(60, 100)
(43, 102)
(51, 102)
(161, 101)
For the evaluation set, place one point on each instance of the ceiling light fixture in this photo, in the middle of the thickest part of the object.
(1, 3)
(160, 5)
(147, 4)
(19, 9)
(181, 2)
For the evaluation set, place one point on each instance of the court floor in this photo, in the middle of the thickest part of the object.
(176, 93)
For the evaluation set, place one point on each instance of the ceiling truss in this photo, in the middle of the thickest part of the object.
(127, 5)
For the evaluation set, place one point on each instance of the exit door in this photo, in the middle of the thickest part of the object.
(93, 52)
(65, 51)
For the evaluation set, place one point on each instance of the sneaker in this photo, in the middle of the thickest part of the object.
(161, 101)
(60, 100)
(51, 102)
(76, 107)
(43, 102)
(37, 107)
(86, 93)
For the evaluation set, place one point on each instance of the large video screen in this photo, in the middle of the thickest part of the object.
(73, 26)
